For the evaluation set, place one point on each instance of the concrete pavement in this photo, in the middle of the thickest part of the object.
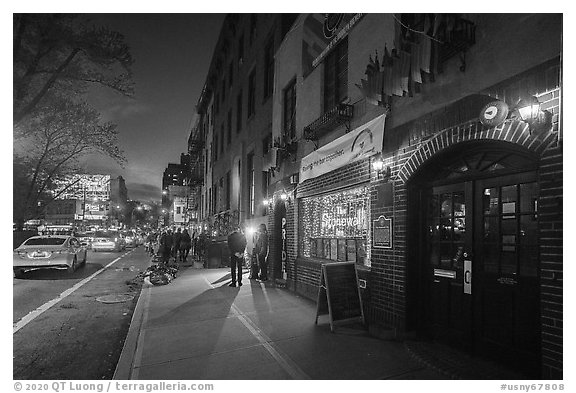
(199, 328)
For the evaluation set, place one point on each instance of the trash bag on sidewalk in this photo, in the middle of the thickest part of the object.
(159, 273)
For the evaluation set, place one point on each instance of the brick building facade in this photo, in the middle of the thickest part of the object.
(431, 131)
(475, 253)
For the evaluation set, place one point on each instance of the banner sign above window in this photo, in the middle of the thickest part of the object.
(359, 144)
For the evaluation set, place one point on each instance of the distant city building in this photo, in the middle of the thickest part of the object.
(118, 200)
(91, 194)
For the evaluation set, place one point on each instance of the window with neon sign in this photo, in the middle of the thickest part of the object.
(337, 226)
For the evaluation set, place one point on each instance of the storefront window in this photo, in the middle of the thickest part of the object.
(337, 226)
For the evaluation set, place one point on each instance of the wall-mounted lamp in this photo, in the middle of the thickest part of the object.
(529, 111)
(382, 173)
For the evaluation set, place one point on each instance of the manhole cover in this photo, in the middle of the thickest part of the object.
(114, 298)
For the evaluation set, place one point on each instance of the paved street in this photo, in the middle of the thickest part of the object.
(63, 330)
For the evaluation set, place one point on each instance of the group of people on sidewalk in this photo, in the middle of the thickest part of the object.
(170, 243)
(237, 246)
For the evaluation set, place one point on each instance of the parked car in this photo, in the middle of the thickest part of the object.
(49, 252)
(108, 241)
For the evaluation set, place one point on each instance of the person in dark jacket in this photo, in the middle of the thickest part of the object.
(262, 250)
(185, 245)
(176, 244)
(236, 245)
(166, 242)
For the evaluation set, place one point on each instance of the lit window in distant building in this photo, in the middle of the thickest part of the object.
(336, 75)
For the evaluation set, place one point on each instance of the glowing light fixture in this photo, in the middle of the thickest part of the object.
(528, 109)
(378, 166)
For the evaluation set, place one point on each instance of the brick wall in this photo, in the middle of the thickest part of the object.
(550, 207)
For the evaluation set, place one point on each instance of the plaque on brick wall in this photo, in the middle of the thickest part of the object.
(382, 232)
(339, 294)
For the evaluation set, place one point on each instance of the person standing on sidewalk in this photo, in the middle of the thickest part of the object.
(236, 245)
(185, 244)
(262, 250)
(176, 244)
(166, 242)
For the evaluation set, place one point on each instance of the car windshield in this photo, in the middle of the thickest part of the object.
(45, 241)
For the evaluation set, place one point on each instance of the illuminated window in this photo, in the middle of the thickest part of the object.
(337, 226)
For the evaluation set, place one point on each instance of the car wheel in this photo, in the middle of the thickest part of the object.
(18, 273)
(72, 269)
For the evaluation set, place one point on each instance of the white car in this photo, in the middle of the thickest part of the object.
(108, 241)
(49, 252)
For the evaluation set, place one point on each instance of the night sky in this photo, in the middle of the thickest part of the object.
(171, 53)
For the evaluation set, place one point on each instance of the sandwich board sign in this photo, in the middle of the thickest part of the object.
(339, 294)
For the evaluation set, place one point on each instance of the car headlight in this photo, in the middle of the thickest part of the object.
(115, 239)
(21, 253)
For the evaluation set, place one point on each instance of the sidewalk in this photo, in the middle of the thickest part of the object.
(199, 328)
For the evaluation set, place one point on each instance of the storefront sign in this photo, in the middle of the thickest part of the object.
(382, 232)
(359, 144)
(494, 113)
(284, 250)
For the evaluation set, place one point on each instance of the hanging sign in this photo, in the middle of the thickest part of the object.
(358, 144)
(382, 232)
(494, 113)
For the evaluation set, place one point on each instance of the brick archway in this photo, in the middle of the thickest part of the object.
(513, 131)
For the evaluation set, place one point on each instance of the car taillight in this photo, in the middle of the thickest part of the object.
(115, 239)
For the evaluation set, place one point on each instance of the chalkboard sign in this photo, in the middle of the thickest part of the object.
(339, 295)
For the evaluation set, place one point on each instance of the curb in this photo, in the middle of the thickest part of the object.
(126, 361)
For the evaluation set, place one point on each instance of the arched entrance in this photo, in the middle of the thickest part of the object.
(474, 219)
